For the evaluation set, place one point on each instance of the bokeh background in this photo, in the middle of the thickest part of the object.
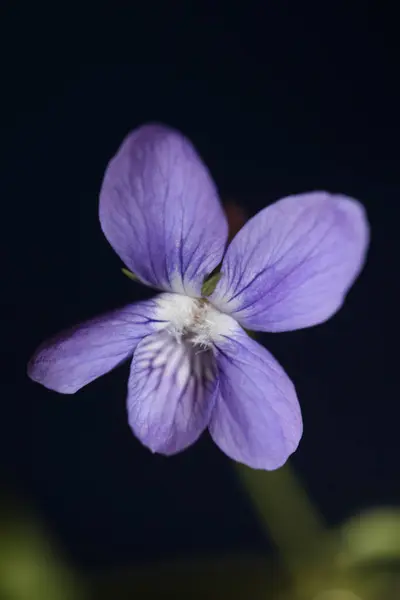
(277, 100)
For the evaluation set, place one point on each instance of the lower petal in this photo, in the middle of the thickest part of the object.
(172, 390)
(75, 357)
(256, 419)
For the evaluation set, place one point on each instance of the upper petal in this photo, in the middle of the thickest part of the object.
(256, 419)
(172, 390)
(160, 210)
(79, 355)
(292, 264)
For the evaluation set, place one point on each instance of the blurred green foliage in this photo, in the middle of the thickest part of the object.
(359, 560)
(29, 567)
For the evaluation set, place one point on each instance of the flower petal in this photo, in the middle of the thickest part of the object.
(256, 419)
(160, 211)
(76, 357)
(292, 264)
(171, 393)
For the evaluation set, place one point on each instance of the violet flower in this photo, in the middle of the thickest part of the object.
(193, 365)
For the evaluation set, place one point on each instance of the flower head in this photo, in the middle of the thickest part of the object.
(193, 365)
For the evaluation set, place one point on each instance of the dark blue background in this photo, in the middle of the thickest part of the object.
(277, 101)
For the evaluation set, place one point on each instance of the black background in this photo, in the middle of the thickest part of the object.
(277, 101)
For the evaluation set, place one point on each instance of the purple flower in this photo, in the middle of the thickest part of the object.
(193, 365)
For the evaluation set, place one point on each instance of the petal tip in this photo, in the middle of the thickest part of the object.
(39, 371)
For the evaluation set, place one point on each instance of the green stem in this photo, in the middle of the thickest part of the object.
(286, 511)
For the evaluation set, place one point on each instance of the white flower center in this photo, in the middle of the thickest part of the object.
(194, 320)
